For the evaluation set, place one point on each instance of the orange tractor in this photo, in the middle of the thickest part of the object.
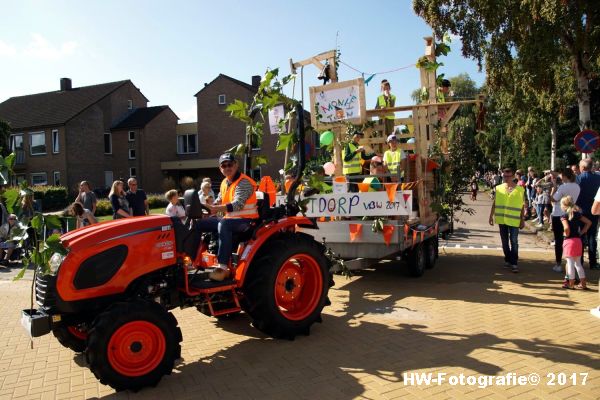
(110, 296)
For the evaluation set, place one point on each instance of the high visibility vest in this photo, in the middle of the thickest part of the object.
(392, 160)
(250, 209)
(381, 103)
(370, 180)
(508, 206)
(352, 166)
(267, 186)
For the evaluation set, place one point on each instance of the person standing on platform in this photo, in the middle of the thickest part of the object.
(508, 211)
(387, 100)
(351, 156)
(393, 158)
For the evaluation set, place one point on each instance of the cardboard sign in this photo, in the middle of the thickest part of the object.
(357, 204)
(338, 102)
(276, 114)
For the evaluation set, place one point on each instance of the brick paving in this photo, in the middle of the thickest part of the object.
(468, 315)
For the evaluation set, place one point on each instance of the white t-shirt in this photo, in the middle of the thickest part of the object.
(176, 211)
(566, 189)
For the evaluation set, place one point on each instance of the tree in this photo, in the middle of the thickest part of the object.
(4, 138)
(541, 35)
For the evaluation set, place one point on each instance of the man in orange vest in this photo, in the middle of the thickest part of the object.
(237, 200)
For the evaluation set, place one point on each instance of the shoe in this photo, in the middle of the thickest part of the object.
(507, 264)
(514, 268)
(557, 268)
(218, 274)
(540, 225)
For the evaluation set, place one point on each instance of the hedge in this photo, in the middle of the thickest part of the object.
(103, 206)
(52, 197)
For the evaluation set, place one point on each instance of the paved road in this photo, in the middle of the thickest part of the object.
(466, 316)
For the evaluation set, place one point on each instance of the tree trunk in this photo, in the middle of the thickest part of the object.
(553, 146)
(583, 100)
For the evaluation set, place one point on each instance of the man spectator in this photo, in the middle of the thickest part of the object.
(508, 211)
(589, 184)
(575, 169)
(138, 202)
(86, 197)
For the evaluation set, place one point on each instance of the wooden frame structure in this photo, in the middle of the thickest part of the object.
(426, 117)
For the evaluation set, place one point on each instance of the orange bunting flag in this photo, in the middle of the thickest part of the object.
(391, 191)
(363, 186)
(388, 230)
(355, 231)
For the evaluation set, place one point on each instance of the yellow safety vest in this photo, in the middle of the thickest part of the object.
(352, 166)
(392, 159)
(508, 206)
(381, 103)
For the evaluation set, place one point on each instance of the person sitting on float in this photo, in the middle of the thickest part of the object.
(376, 169)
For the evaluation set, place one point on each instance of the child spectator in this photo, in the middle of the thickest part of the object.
(174, 209)
(572, 245)
(83, 216)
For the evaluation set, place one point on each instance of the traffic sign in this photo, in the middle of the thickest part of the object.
(587, 141)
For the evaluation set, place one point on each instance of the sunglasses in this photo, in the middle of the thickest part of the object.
(227, 165)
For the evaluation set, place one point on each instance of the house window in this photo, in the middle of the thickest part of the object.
(55, 144)
(221, 99)
(186, 144)
(108, 178)
(129, 104)
(16, 142)
(108, 143)
(131, 137)
(56, 178)
(38, 143)
(132, 154)
(132, 172)
(39, 178)
(17, 179)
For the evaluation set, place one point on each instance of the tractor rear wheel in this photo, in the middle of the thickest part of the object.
(416, 260)
(132, 345)
(73, 337)
(286, 286)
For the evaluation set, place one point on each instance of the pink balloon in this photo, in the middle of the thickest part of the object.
(329, 168)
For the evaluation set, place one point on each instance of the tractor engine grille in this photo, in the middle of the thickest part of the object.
(45, 291)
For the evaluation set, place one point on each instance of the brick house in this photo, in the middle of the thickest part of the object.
(216, 131)
(65, 136)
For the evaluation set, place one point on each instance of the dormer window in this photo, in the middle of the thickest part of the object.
(222, 99)
(130, 104)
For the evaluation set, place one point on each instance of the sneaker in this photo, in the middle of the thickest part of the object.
(557, 268)
(507, 264)
(540, 225)
(514, 268)
(219, 274)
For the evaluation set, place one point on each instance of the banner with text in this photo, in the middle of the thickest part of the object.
(357, 204)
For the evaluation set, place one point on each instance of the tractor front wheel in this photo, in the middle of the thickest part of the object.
(73, 337)
(132, 345)
(287, 284)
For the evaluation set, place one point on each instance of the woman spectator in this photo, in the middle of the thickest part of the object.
(83, 216)
(567, 188)
(27, 210)
(542, 201)
(119, 202)
(174, 209)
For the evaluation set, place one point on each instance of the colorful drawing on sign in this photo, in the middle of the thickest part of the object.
(357, 204)
(338, 104)
(587, 141)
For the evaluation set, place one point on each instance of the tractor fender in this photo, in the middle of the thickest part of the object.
(263, 234)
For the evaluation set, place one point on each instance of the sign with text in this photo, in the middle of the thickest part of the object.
(338, 102)
(276, 114)
(374, 204)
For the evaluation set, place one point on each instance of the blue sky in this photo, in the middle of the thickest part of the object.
(170, 49)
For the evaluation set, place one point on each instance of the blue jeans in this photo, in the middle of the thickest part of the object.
(511, 251)
(225, 227)
(540, 212)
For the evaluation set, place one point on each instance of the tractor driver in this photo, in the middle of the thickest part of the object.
(237, 200)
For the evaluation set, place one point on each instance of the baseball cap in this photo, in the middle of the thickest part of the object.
(376, 159)
(391, 137)
(226, 157)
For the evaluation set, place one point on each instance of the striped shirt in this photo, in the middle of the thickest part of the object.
(242, 193)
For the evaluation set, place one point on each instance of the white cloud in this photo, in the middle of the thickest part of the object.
(41, 48)
(6, 50)
(187, 116)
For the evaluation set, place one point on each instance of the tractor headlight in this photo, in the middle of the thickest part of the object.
(55, 262)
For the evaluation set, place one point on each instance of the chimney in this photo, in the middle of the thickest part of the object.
(256, 80)
(65, 84)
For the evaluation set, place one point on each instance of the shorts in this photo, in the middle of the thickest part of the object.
(572, 247)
